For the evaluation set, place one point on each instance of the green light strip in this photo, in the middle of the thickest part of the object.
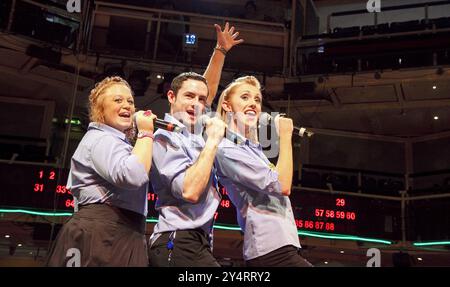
(431, 243)
(35, 212)
(343, 237)
(223, 227)
(236, 228)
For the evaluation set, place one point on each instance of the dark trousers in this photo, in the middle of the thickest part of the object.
(190, 249)
(103, 236)
(286, 256)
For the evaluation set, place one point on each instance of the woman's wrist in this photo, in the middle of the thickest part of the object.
(145, 134)
(221, 49)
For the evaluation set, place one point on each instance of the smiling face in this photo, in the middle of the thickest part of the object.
(189, 102)
(118, 106)
(244, 101)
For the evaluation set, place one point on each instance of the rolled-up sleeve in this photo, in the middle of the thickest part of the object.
(241, 167)
(171, 161)
(113, 161)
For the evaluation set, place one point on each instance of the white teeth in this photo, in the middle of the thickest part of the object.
(250, 113)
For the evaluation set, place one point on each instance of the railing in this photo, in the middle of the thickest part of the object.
(355, 49)
(375, 16)
(161, 29)
(263, 40)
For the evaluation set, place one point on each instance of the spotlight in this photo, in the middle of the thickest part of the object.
(19, 245)
(7, 236)
(419, 258)
(342, 252)
(434, 87)
(436, 118)
(164, 86)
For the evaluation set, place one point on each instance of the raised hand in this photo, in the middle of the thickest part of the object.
(227, 38)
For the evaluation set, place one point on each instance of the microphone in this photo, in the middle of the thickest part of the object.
(266, 118)
(232, 136)
(162, 125)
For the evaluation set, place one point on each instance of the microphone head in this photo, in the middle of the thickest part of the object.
(202, 119)
(265, 119)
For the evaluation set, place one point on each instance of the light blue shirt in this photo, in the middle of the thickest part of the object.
(103, 170)
(264, 214)
(173, 154)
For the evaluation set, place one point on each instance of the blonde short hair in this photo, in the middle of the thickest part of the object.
(225, 96)
(96, 106)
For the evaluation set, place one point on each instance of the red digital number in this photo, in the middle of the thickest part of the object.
(350, 215)
(329, 226)
(340, 202)
(319, 212)
(224, 191)
(70, 203)
(309, 224)
(41, 174)
(225, 203)
(299, 223)
(216, 215)
(319, 225)
(52, 175)
(151, 196)
(329, 214)
(61, 189)
(38, 187)
(340, 214)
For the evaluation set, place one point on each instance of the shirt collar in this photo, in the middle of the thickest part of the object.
(108, 129)
(184, 130)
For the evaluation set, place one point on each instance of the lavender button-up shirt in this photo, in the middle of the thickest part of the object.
(264, 214)
(173, 154)
(103, 170)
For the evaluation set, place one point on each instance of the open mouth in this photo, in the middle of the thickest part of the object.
(125, 115)
(191, 114)
(250, 113)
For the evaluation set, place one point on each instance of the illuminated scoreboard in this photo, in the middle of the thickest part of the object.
(351, 215)
(34, 187)
(44, 188)
(332, 213)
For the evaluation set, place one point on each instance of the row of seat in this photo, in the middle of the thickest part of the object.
(369, 184)
(384, 28)
(381, 185)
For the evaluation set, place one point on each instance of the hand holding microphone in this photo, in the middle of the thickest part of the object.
(266, 118)
(144, 121)
(218, 129)
(215, 128)
(284, 126)
(155, 122)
